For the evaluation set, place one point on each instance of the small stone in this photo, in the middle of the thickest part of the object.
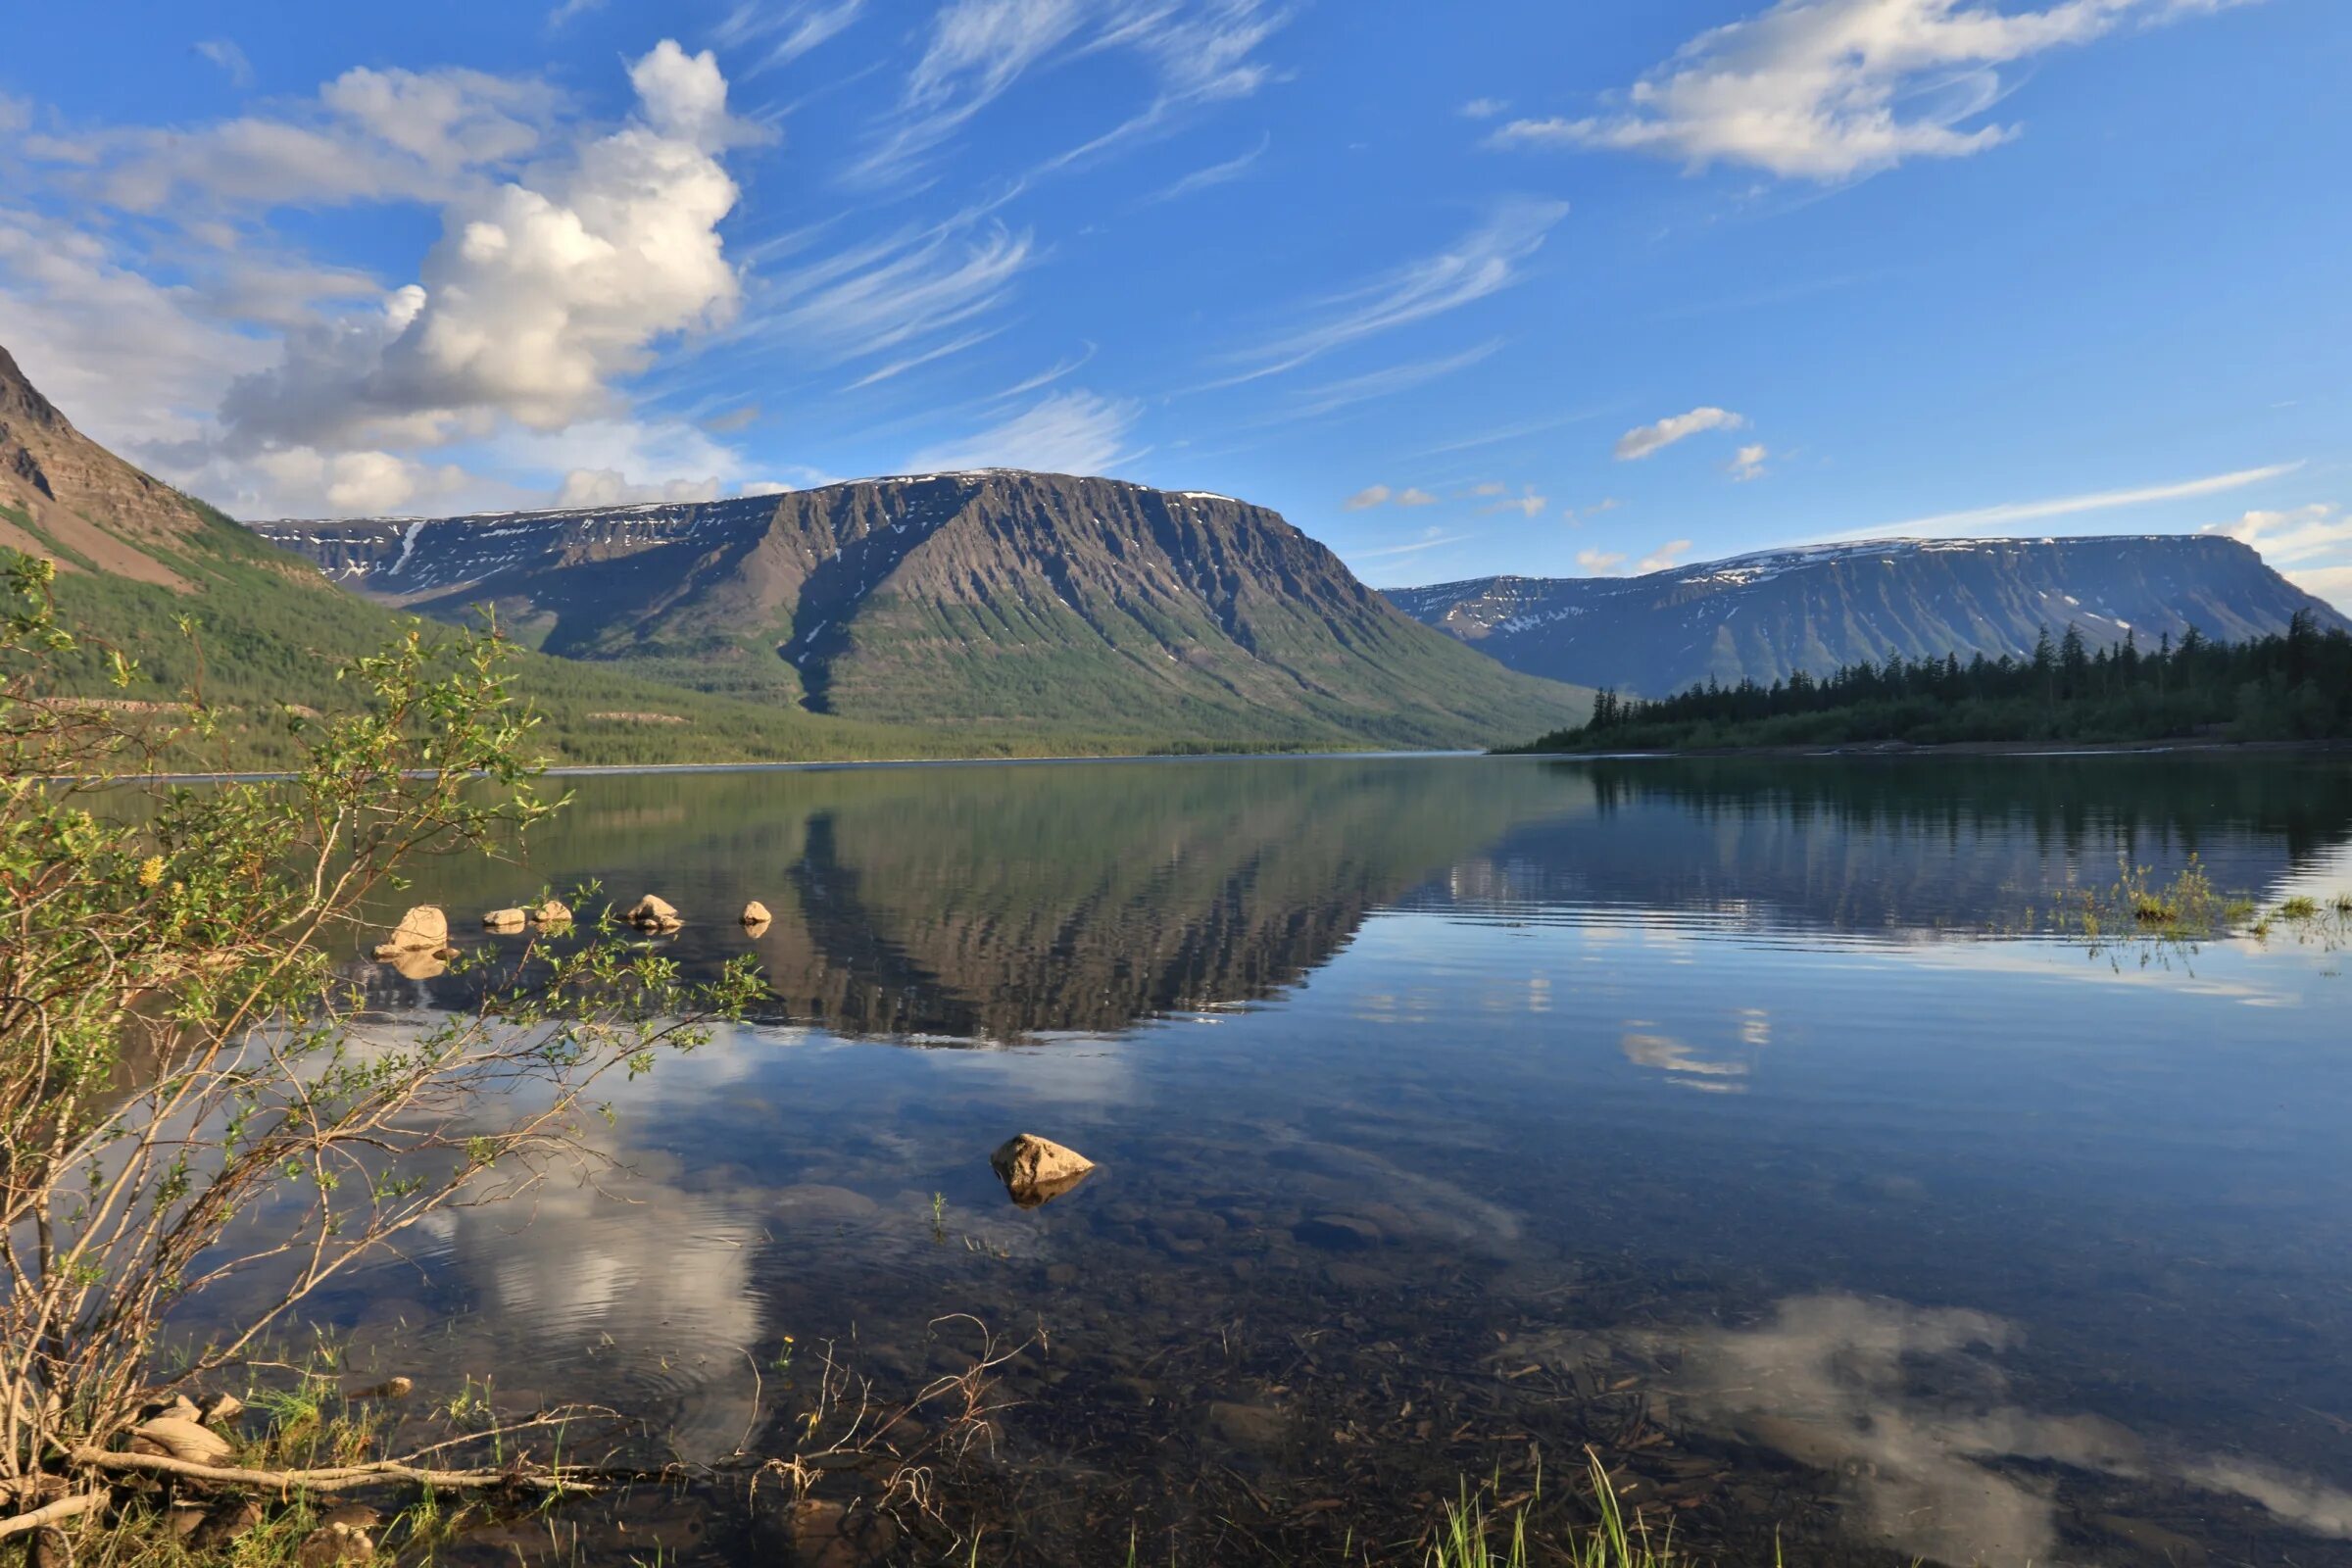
(1037, 1170)
(392, 1387)
(555, 911)
(229, 1518)
(756, 913)
(505, 920)
(334, 1542)
(221, 1409)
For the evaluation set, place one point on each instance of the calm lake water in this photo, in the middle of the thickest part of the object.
(1456, 1115)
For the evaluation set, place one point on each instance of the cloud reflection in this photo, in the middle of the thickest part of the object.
(1908, 1404)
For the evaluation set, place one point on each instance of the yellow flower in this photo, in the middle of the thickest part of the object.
(150, 870)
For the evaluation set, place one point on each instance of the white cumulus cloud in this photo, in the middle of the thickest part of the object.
(536, 298)
(1832, 89)
(1748, 462)
(1667, 555)
(1643, 440)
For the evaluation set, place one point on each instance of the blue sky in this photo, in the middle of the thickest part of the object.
(1511, 286)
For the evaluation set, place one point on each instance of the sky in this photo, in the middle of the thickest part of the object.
(1514, 285)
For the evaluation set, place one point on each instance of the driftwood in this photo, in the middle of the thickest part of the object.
(341, 1478)
(51, 1513)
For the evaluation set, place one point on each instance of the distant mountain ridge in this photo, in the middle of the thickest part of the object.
(1765, 615)
(996, 597)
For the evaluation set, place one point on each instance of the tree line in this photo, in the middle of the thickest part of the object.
(2293, 685)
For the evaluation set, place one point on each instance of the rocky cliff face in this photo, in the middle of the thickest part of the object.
(1763, 616)
(66, 497)
(991, 597)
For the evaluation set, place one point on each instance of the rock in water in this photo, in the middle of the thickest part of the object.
(654, 913)
(505, 920)
(555, 911)
(756, 913)
(423, 929)
(1037, 1170)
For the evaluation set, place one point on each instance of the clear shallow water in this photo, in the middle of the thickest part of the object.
(1447, 1109)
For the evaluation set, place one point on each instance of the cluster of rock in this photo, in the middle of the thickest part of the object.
(549, 913)
(419, 946)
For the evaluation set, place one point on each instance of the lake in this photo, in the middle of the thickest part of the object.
(1737, 1122)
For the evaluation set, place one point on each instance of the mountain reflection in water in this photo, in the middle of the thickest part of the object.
(1456, 1112)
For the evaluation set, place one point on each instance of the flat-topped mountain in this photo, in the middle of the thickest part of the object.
(996, 597)
(1814, 607)
(136, 558)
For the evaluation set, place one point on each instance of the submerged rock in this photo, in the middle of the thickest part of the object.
(1037, 1170)
(505, 920)
(1338, 1232)
(654, 913)
(423, 929)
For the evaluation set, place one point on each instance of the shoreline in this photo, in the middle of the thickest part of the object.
(597, 769)
(1867, 749)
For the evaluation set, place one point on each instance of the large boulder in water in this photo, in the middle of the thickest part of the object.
(1037, 1170)
(423, 929)
(654, 913)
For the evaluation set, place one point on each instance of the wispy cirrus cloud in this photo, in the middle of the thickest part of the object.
(783, 32)
(1832, 89)
(1212, 175)
(1748, 462)
(1198, 51)
(1348, 391)
(1432, 542)
(888, 295)
(1644, 439)
(1486, 259)
(1066, 432)
(1981, 520)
